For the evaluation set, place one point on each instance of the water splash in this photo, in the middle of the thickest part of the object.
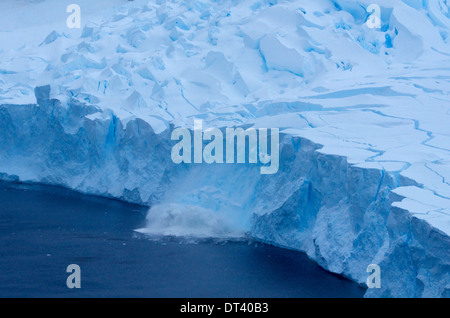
(182, 220)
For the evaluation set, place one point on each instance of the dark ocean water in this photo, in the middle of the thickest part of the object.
(44, 229)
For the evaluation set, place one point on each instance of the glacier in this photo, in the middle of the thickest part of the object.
(363, 114)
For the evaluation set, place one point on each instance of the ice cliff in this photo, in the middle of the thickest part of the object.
(364, 115)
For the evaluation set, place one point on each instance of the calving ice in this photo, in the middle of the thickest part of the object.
(236, 150)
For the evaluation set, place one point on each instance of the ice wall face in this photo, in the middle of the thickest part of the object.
(340, 215)
(83, 148)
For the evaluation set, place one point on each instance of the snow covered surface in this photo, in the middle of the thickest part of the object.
(365, 113)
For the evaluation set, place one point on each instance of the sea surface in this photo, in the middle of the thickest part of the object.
(44, 229)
